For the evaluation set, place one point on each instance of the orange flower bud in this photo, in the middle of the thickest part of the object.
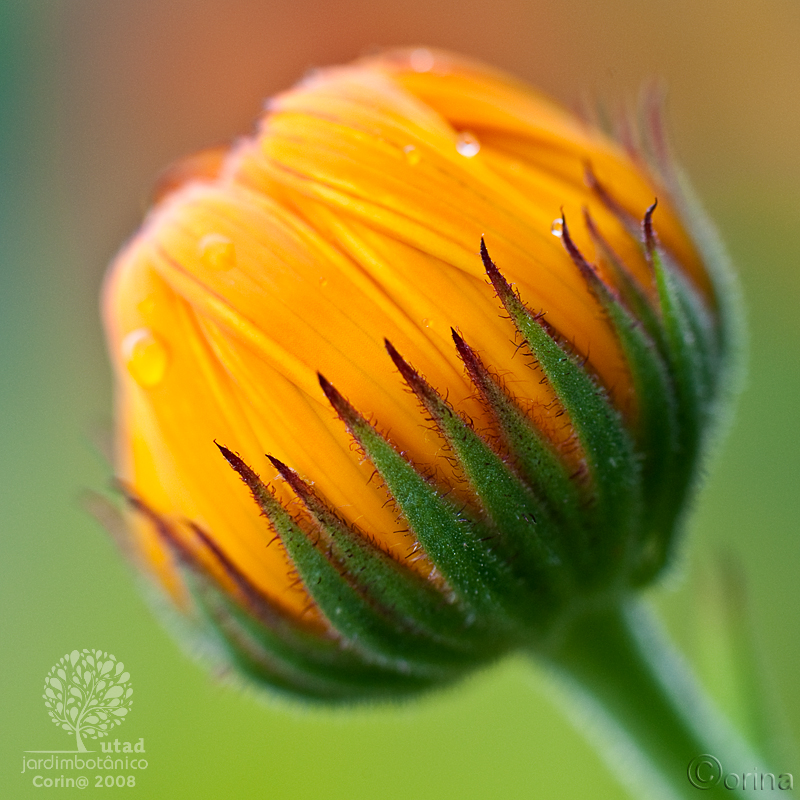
(353, 216)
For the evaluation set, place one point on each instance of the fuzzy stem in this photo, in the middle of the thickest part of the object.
(647, 714)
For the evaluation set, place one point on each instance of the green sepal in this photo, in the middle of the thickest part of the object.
(305, 666)
(531, 451)
(643, 310)
(268, 645)
(685, 332)
(690, 336)
(656, 429)
(704, 336)
(459, 545)
(391, 586)
(613, 468)
(690, 376)
(527, 537)
(376, 631)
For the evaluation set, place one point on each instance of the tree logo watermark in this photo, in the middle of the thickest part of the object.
(88, 694)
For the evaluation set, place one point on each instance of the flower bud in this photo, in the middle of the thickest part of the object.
(416, 374)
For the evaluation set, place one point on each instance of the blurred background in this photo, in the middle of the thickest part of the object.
(95, 98)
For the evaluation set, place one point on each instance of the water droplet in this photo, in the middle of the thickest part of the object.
(557, 228)
(421, 60)
(217, 251)
(467, 144)
(323, 282)
(145, 357)
(427, 323)
(412, 155)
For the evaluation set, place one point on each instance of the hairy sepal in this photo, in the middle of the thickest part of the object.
(269, 646)
(526, 535)
(534, 456)
(608, 448)
(690, 359)
(460, 546)
(655, 426)
(412, 600)
(377, 631)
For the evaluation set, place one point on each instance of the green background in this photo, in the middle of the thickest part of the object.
(95, 97)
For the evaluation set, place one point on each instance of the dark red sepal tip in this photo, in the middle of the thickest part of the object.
(586, 269)
(414, 380)
(340, 405)
(647, 226)
(298, 485)
(469, 358)
(163, 529)
(246, 473)
(500, 284)
(335, 397)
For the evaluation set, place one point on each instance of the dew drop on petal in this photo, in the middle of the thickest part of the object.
(421, 60)
(217, 252)
(323, 281)
(557, 228)
(427, 323)
(412, 155)
(467, 144)
(145, 356)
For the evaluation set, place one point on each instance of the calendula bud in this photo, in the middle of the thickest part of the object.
(451, 326)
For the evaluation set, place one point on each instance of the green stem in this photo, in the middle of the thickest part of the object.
(649, 715)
